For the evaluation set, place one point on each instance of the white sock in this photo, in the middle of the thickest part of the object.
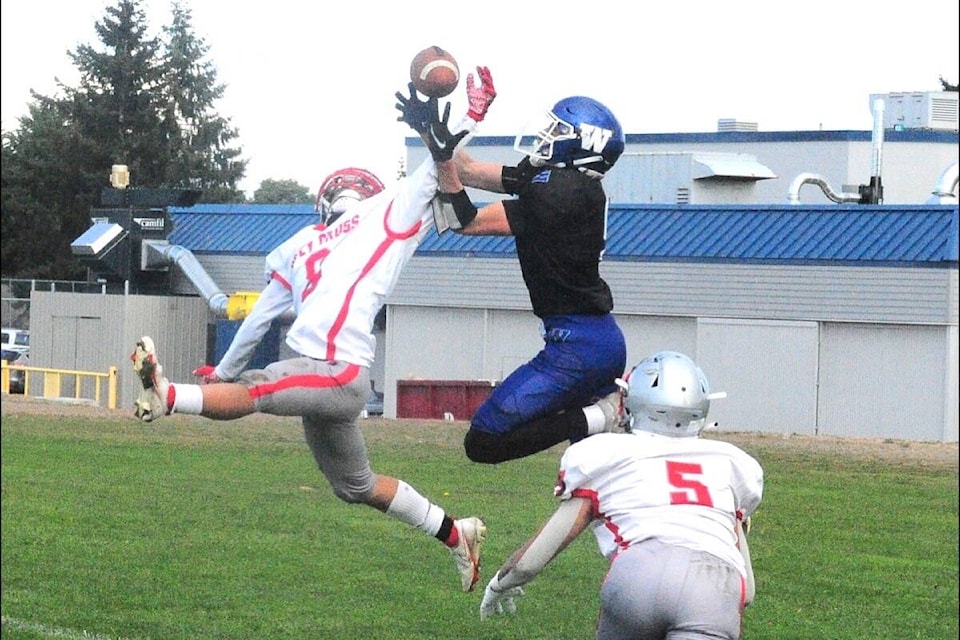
(411, 507)
(187, 398)
(596, 420)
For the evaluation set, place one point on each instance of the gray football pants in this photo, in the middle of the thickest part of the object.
(329, 399)
(655, 591)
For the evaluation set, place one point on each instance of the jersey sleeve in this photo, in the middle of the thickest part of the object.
(579, 464)
(748, 475)
(273, 300)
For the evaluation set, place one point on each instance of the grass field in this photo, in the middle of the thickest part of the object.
(193, 529)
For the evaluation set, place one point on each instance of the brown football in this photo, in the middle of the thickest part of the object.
(434, 72)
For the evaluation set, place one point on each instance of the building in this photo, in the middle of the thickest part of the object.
(836, 314)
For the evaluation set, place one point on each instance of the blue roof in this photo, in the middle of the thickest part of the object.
(918, 235)
(238, 228)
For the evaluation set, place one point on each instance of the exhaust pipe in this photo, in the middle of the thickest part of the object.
(161, 253)
(793, 195)
(945, 191)
(867, 193)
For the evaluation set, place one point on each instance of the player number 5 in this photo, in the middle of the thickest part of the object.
(683, 476)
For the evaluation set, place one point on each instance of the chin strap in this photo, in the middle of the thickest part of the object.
(580, 164)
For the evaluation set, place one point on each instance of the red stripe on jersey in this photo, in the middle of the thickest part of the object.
(392, 236)
(591, 495)
(283, 281)
(311, 381)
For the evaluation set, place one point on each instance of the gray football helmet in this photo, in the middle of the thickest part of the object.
(668, 394)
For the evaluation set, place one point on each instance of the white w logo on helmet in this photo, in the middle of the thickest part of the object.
(593, 138)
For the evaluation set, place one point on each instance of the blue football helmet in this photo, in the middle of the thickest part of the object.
(580, 132)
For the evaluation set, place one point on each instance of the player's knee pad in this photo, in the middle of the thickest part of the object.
(353, 490)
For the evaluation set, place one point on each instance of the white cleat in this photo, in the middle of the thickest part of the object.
(152, 403)
(466, 554)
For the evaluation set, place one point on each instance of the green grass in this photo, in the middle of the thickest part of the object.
(189, 529)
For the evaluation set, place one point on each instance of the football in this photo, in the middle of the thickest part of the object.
(434, 72)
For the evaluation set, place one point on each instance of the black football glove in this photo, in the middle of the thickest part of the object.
(440, 141)
(415, 112)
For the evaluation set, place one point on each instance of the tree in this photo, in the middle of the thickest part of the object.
(114, 110)
(139, 102)
(282, 192)
(43, 209)
(198, 137)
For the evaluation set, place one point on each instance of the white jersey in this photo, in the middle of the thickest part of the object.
(336, 278)
(681, 491)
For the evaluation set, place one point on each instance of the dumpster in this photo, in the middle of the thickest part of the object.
(441, 399)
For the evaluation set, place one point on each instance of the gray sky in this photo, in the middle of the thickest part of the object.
(311, 90)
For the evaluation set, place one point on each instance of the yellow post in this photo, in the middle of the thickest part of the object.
(112, 388)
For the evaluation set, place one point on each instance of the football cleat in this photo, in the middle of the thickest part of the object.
(151, 403)
(466, 554)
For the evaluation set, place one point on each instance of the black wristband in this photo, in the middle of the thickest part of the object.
(462, 207)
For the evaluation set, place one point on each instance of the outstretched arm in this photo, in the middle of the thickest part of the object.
(566, 523)
(273, 301)
(479, 175)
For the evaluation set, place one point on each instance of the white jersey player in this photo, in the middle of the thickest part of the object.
(335, 275)
(668, 510)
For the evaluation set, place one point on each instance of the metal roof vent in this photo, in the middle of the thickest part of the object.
(732, 124)
(929, 110)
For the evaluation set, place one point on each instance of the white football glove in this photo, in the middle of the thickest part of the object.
(498, 602)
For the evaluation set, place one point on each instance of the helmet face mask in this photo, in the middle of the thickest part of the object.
(342, 199)
(579, 133)
(343, 188)
(668, 394)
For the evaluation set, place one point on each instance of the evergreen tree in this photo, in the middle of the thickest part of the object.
(115, 108)
(138, 103)
(197, 136)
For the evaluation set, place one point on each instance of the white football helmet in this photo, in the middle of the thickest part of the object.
(668, 394)
(342, 188)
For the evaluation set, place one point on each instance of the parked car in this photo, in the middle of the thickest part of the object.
(16, 339)
(17, 376)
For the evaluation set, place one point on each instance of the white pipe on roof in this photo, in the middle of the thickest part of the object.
(793, 195)
(945, 191)
(875, 162)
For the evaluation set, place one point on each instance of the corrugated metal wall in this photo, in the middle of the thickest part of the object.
(773, 292)
(90, 332)
(854, 351)
(799, 349)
